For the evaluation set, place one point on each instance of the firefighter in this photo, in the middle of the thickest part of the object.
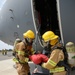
(56, 58)
(70, 47)
(23, 50)
(5, 52)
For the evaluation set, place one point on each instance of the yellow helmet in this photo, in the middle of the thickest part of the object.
(69, 44)
(29, 34)
(49, 35)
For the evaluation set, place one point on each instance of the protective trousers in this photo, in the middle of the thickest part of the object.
(23, 69)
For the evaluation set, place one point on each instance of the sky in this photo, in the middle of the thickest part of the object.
(5, 46)
(1, 3)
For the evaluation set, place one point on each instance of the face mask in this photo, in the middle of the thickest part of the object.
(29, 41)
(47, 50)
(47, 47)
(44, 43)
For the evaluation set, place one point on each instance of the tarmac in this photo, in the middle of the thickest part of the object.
(7, 65)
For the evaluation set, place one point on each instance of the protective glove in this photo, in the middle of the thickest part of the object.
(14, 53)
(26, 59)
(43, 65)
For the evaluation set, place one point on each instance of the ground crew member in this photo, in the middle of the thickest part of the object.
(5, 52)
(2, 51)
(23, 50)
(54, 63)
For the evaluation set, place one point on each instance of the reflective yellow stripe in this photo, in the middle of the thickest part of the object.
(52, 63)
(21, 61)
(26, 59)
(16, 50)
(59, 69)
(21, 52)
(15, 60)
(32, 51)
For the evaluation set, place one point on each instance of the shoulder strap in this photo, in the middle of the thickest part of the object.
(65, 61)
(65, 53)
(25, 44)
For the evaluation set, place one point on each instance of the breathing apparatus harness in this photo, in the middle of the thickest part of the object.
(65, 61)
(47, 49)
(28, 42)
(25, 50)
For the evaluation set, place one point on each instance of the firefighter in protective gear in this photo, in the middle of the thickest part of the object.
(56, 55)
(70, 47)
(23, 50)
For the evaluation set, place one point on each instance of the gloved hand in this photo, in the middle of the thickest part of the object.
(26, 59)
(14, 53)
(38, 58)
(43, 64)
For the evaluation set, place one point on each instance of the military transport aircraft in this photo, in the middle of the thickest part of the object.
(18, 16)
